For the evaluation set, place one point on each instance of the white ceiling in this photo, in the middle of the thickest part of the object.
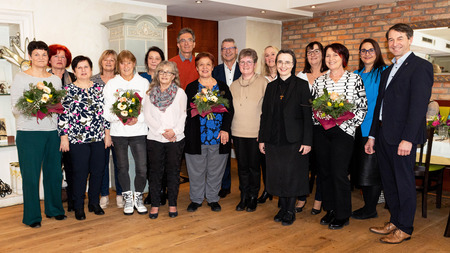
(275, 9)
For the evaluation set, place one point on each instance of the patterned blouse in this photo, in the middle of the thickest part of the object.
(351, 85)
(82, 119)
(209, 129)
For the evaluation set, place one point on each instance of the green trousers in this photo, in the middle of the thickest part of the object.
(36, 150)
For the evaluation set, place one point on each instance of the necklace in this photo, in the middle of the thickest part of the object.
(282, 91)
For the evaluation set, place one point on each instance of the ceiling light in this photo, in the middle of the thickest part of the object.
(313, 6)
(263, 12)
(198, 1)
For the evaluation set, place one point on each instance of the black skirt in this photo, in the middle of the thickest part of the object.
(287, 170)
(365, 171)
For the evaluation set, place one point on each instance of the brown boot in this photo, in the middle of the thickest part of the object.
(385, 230)
(396, 237)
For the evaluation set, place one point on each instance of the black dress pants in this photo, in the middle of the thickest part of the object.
(87, 160)
(333, 149)
(248, 159)
(164, 158)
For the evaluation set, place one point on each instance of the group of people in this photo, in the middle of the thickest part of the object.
(268, 119)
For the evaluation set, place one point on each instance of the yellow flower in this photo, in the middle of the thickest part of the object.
(197, 96)
(329, 103)
(29, 100)
(341, 104)
(50, 95)
(205, 99)
(128, 94)
(130, 110)
(133, 100)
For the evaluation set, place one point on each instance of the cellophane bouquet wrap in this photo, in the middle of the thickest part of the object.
(207, 102)
(127, 106)
(41, 100)
(332, 109)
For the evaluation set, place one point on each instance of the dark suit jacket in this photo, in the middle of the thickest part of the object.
(405, 102)
(219, 73)
(192, 127)
(297, 112)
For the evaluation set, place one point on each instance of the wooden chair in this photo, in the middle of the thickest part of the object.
(431, 175)
(447, 229)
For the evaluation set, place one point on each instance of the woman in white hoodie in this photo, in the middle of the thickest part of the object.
(132, 133)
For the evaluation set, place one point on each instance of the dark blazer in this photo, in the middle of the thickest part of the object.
(192, 127)
(404, 102)
(219, 73)
(297, 112)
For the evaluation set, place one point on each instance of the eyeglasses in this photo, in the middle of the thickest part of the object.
(311, 52)
(184, 41)
(228, 48)
(246, 63)
(287, 63)
(368, 51)
(166, 73)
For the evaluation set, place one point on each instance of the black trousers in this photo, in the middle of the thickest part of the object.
(248, 159)
(397, 176)
(164, 158)
(333, 153)
(67, 162)
(87, 160)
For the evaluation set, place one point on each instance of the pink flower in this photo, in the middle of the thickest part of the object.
(435, 123)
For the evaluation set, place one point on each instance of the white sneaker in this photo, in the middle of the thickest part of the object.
(128, 206)
(104, 201)
(139, 203)
(119, 201)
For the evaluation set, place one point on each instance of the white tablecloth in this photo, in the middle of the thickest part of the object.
(440, 152)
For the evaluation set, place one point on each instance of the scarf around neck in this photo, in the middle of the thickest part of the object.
(163, 99)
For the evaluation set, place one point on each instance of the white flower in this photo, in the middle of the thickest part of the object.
(45, 98)
(214, 99)
(47, 90)
(121, 106)
(124, 113)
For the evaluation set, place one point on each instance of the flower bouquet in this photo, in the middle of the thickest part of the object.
(127, 106)
(207, 102)
(332, 109)
(41, 100)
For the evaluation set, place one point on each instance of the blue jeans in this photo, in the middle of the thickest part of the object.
(105, 180)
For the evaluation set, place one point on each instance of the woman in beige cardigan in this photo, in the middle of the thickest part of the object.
(248, 92)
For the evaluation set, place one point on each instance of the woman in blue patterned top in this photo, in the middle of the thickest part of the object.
(207, 140)
(365, 169)
(85, 135)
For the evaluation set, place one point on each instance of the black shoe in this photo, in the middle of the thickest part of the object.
(264, 196)
(279, 216)
(153, 215)
(96, 209)
(251, 204)
(361, 215)
(70, 207)
(224, 192)
(57, 217)
(242, 204)
(173, 214)
(193, 207)
(215, 207)
(300, 209)
(328, 218)
(148, 200)
(79, 214)
(35, 225)
(316, 211)
(338, 224)
(288, 218)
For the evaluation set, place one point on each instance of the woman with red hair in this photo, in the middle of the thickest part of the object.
(59, 59)
(333, 147)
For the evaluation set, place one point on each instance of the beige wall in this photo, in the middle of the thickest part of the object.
(77, 24)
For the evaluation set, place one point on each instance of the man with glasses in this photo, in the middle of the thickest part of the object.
(185, 59)
(227, 72)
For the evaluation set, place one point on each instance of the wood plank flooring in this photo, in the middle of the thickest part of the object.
(207, 231)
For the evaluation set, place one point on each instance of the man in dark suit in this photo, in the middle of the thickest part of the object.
(403, 96)
(227, 72)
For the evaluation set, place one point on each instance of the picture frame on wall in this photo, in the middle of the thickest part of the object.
(3, 135)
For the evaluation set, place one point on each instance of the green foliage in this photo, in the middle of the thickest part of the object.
(331, 104)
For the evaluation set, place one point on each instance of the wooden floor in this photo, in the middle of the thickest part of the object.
(207, 231)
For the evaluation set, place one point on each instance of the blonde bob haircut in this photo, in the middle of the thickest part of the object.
(125, 55)
(106, 53)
